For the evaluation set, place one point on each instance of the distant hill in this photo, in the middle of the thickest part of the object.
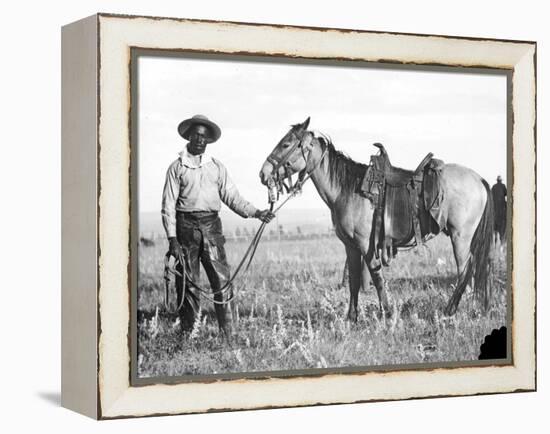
(308, 220)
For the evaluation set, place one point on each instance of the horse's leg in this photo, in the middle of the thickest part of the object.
(461, 249)
(471, 223)
(345, 275)
(354, 278)
(375, 268)
(364, 274)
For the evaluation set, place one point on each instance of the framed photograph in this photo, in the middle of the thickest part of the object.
(263, 216)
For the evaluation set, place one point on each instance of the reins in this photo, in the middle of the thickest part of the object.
(173, 269)
(274, 188)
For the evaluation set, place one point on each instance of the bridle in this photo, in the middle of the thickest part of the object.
(276, 184)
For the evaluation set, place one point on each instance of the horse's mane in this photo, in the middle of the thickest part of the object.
(344, 171)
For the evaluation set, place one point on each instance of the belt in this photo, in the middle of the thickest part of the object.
(197, 215)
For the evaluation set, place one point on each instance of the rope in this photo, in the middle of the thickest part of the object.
(167, 271)
(207, 295)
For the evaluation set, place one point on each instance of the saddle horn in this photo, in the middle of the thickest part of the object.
(381, 148)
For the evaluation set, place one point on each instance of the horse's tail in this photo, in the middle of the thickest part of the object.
(481, 245)
(479, 263)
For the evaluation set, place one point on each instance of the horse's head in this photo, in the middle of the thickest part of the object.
(290, 154)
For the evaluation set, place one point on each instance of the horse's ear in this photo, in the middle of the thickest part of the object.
(306, 123)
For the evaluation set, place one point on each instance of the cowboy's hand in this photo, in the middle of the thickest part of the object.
(175, 248)
(264, 215)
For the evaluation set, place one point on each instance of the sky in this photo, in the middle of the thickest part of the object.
(460, 117)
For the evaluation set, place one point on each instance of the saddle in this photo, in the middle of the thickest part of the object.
(402, 202)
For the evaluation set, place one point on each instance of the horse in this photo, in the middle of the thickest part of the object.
(337, 179)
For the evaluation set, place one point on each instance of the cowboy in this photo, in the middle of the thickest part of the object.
(195, 186)
(499, 199)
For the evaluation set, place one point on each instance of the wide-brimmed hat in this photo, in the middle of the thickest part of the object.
(185, 126)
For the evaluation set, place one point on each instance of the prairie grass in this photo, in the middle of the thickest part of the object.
(291, 314)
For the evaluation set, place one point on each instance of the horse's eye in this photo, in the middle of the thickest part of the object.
(286, 145)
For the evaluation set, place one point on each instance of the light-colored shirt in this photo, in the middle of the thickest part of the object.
(199, 187)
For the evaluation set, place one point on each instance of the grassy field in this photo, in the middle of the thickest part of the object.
(292, 314)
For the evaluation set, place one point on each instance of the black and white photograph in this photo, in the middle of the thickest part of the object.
(275, 217)
(298, 216)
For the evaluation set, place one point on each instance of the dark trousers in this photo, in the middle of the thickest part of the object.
(200, 235)
(500, 217)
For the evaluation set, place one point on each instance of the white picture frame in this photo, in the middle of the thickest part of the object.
(96, 212)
